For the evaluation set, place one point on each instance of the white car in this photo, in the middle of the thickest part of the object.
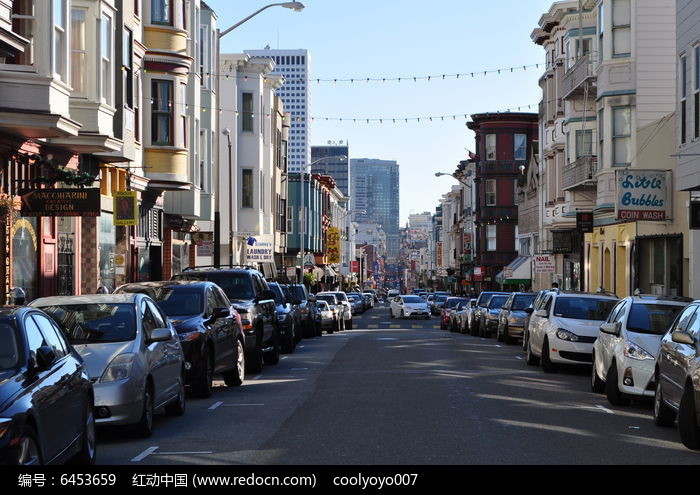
(347, 314)
(624, 355)
(328, 315)
(564, 326)
(409, 307)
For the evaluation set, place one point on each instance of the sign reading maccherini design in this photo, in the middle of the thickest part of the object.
(260, 249)
(643, 195)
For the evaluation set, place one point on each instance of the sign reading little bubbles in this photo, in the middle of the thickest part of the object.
(643, 195)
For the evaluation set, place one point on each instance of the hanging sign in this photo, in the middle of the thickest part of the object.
(544, 263)
(61, 202)
(333, 245)
(126, 209)
(643, 195)
(260, 249)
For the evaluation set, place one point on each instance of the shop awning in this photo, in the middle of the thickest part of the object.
(330, 272)
(318, 273)
(520, 269)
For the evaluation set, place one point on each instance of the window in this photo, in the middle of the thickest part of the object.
(24, 24)
(78, 52)
(490, 192)
(621, 30)
(53, 339)
(162, 113)
(137, 111)
(247, 115)
(685, 318)
(584, 143)
(696, 91)
(490, 146)
(290, 220)
(622, 136)
(183, 115)
(683, 67)
(34, 337)
(601, 137)
(59, 24)
(247, 188)
(520, 147)
(161, 12)
(490, 237)
(601, 31)
(127, 68)
(262, 191)
(106, 60)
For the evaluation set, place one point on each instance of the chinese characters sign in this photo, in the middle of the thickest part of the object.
(333, 245)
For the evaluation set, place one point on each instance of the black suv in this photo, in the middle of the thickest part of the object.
(255, 302)
(307, 309)
(286, 319)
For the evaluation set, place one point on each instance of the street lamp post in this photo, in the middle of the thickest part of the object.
(227, 133)
(297, 7)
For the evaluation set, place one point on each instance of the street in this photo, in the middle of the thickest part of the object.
(402, 392)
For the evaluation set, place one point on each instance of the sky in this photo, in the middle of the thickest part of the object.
(403, 38)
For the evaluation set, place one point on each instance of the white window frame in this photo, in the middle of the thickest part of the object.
(61, 32)
(80, 52)
(491, 238)
(616, 137)
(491, 196)
(683, 92)
(106, 67)
(491, 148)
(621, 28)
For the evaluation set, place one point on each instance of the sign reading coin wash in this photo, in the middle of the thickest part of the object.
(643, 195)
(260, 249)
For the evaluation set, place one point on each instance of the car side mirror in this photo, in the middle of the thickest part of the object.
(542, 313)
(529, 310)
(682, 338)
(611, 328)
(159, 335)
(220, 313)
(45, 357)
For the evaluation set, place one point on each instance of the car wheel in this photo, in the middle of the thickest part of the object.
(545, 361)
(28, 452)
(597, 385)
(289, 346)
(203, 386)
(663, 415)
(144, 428)
(235, 377)
(507, 339)
(688, 420)
(177, 407)
(88, 451)
(348, 325)
(272, 357)
(254, 361)
(530, 357)
(525, 339)
(473, 330)
(612, 390)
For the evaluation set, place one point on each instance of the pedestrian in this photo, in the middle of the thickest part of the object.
(555, 285)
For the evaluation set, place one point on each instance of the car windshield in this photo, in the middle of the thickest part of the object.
(497, 302)
(653, 319)
(441, 299)
(235, 285)
(279, 297)
(174, 302)
(95, 323)
(454, 301)
(523, 302)
(583, 308)
(9, 351)
(298, 292)
(341, 296)
(330, 299)
(322, 305)
(413, 300)
(485, 300)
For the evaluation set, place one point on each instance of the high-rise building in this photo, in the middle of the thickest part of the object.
(333, 160)
(374, 189)
(295, 66)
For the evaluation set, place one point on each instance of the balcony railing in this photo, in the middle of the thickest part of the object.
(580, 173)
(575, 78)
(500, 167)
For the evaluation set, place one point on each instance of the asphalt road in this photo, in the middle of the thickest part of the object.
(403, 392)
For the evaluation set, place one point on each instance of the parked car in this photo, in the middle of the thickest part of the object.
(369, 300)
(409, 307)
(464, 316)
(437, 304)
(327, 316)
(210, 334)
(564, 327)
(373, 293)
(286, 319)
(511, 319)
(624, 354)
(677, 377)
(528, 311)
(306, 310)
(337, 307)
(347, 314)
(131, 351)
(46, 399)
(255, 302)
(449, 306)
(456, 316)
(290, 296)
(488, 323)
(481, 302)
(391, 293)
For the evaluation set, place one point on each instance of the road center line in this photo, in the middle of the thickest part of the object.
(215, 405)
(605, 409)
(144, 454)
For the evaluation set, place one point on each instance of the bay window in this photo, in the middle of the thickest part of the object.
(520, 147)
(621, 28)
(162, 113)
(491, 237)
(490, 146)
(60, 63)
(24, 24)
(78, 52)
(161, 12)
(622, 136)
(106, 58)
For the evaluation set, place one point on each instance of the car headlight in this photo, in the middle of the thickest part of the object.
(515, 321)
(566, 335)
(633, 351)
(119, 368)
